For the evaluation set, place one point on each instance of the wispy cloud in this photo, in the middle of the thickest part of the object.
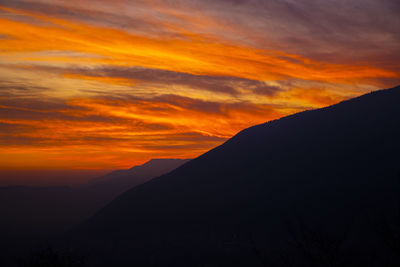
(104, 84)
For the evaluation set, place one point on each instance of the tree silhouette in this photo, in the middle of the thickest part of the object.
(389, 231)
(50, 257)
(306, 247)
(314, 248)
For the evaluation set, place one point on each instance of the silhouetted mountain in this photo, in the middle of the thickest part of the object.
(45, 210)
(152, 168)
(36, 210)
(333, 168)
(116, 182)
(31, 216)
(105, 188)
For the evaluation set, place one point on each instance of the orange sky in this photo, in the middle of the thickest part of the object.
(104, 84)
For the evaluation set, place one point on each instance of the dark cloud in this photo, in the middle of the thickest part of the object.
(13, 128)
(35, 109)
(218, 108)
(186, 104)
(5, 37)
(46, 122)
(20, 17)
(340, 30)
(337, 31)
(222, 84)
(13, 140)
(15, 88)
(86, 14)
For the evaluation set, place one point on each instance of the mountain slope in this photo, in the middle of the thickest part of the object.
(111, 185)
(333, 167)
(42, 211)
(138, 174)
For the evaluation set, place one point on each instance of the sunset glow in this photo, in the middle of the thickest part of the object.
(110, 84)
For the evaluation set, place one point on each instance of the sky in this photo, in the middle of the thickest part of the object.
(94, 85)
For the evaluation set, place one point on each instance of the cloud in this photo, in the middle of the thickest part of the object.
(224, 84)
(314, 97)
(197, 55)
(13, 88)
(3, 37)
(95, 84)
(89, 133)
(166, 125)
(317, 29)
(92, 14)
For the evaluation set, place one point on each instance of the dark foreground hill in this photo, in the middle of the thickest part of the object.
(31, 215)
(40, 211)
(313, 183)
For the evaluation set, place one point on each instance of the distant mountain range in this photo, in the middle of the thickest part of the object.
(116, 182)
(40, 211)
(333, 170)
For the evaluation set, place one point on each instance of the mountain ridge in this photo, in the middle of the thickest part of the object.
(271, 124)
(47, 210)
(166, 164)
(332, 165)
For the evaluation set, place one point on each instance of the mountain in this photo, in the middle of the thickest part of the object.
(27, 211)
(105, 188)
(334, 170)
(151, 168)
(33, 216)
(40, 211)
(119, 181)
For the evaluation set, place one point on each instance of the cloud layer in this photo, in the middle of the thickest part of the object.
(106, 84)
